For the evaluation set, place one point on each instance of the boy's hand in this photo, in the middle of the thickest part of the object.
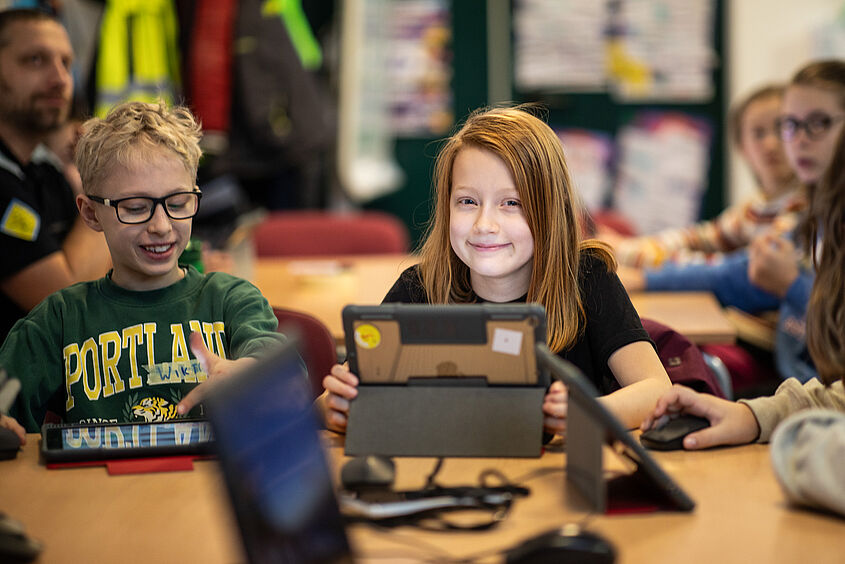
(772, 263)
(341, 387)
(555, 406)
(216, 369)
(10, 423)
(730, 423)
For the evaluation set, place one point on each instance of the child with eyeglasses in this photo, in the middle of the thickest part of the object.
(146, 341)
(755, 131)
(773, 274)
(804, 423)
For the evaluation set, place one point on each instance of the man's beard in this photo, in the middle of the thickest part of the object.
(27, 116)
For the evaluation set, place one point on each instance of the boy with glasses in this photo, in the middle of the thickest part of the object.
(119, 348)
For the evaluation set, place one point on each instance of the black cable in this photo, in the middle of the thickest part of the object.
(429, 482)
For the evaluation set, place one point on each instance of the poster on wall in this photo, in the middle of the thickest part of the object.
(662, 170)
(589, 155)
(559, 45)
(661, 50)
(639, 50)
(419, 67)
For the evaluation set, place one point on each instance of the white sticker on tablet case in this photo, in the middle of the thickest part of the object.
(507, 341)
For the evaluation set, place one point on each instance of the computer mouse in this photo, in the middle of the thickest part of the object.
(567, 544)
(670, 435)
(15, 546)
(367, 472)
(9, 444)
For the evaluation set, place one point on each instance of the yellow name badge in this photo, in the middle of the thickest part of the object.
(20, 221)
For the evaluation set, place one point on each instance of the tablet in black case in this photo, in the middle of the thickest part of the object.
(99, 441)
(446, 380)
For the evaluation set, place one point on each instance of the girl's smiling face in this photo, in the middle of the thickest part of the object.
(487, 226)
(817, 109)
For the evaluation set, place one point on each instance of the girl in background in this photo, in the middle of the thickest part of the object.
(773, 274)
(754, 127)
(807, 447)
(505, 228)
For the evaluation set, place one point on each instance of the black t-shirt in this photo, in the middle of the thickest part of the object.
(611, 320)
(37, 211)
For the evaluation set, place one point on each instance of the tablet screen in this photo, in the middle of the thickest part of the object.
(111, 440)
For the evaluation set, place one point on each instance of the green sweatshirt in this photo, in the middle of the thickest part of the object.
(95, 352)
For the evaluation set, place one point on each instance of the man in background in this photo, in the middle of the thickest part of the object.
(44, 245)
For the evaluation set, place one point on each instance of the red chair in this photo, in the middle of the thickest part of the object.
(304, 233)
(614, 220)
(316, 344)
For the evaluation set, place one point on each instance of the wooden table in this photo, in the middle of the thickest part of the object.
(85, 515)
(323, 286)
(698, 315)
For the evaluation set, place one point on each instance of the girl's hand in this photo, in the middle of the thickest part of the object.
(730, 423)
(341, 386)
(772, 263)
(555, 408)
(12, 424)
(216, 369)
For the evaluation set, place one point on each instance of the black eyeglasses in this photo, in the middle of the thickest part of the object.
(140, 209)
(816, 125)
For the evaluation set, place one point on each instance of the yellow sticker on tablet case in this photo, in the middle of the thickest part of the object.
(367, 336)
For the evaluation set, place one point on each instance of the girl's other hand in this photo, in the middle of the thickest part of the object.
(341, 387)
(555, 408)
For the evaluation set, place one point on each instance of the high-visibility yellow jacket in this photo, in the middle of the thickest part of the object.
(138, 57)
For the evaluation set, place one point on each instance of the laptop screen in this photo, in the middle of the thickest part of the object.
(274, 465)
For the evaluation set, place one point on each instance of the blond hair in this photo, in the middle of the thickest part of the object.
(131, 134)
(534, 156)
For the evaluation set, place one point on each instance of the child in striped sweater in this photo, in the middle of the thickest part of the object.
(775, 204)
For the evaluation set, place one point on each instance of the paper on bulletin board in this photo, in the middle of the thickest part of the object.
(829, 38)
(662, 50)
(366, 165)
(662, 170)
(559, 44)
(419, 66)
(589, 155)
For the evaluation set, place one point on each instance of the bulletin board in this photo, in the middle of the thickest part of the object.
(597, 111)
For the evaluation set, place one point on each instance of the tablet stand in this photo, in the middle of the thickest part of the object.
(633, 492)
(589, 427)
(451, 420)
